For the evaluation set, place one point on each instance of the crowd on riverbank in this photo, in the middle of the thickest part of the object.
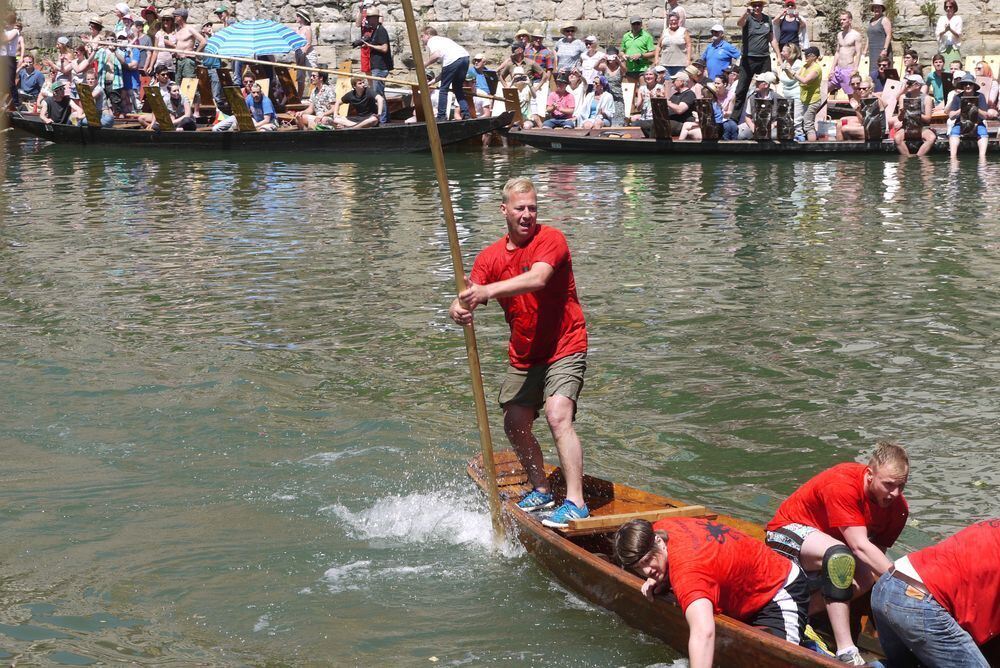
(572, 82)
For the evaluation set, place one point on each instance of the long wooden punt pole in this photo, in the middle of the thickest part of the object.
(305, 68)
(472, 350)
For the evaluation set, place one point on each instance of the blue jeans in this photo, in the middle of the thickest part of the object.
(378, 88)
(920, 632)
(107, 120)
(730, 130)
(453, 76)
(560, 123)
(217, 94)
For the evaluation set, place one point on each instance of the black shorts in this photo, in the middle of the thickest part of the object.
(785, 616)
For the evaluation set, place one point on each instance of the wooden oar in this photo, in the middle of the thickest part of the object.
(482, 417)
(289, 66)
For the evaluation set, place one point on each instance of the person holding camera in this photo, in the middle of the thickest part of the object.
(375, 38)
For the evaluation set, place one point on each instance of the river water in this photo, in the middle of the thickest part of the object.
(235, 416)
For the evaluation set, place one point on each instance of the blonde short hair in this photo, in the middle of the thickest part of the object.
(518, 184)
(889, 454)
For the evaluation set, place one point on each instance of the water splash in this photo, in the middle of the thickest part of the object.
(449, 516)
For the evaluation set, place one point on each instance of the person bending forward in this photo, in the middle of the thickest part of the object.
(714, 569)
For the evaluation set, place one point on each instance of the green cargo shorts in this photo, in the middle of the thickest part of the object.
(531, 387)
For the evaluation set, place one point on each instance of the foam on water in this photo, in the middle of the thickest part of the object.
(455, 517)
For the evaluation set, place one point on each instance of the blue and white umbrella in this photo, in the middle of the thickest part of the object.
(258, 37)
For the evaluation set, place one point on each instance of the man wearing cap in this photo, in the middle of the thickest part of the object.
(763, 95)
(719, 54)
(637, 48)
(379, 55)
(845, 61)
(913, 84)
(56, 108)
(681, 103)
(569, 49)
(454, 66)
(29, 81)
(560, 105)
(224, 15)
(967, 86)
(758, 37)
(184, 38)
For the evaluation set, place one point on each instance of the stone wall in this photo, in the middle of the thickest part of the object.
(487, 25)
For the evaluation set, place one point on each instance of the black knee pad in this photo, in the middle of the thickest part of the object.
(838, 573)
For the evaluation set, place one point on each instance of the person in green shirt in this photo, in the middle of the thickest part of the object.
(638, 49)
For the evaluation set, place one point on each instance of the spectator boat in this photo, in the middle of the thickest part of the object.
(395, 137)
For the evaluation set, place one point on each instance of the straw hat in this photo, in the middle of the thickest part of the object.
(303, 13)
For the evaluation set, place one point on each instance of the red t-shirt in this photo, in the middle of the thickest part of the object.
(545, 325)
(738, 574)
(963, 573)
(836, 499)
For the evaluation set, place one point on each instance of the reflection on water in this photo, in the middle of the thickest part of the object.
(236, 415)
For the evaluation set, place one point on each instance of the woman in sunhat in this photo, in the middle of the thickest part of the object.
(967, 86)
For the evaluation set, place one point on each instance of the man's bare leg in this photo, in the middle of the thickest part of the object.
(559, 413)
(517, 421)
(811, 557)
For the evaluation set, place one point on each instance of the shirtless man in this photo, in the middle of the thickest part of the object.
(848, 56)
(184, 38)
(838, 526)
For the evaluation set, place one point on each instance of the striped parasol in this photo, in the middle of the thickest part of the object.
(258, 37)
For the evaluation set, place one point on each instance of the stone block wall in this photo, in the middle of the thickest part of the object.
(488, 25)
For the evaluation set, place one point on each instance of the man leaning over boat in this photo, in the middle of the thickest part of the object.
(530, 272)
(837, 527)
(714, 569)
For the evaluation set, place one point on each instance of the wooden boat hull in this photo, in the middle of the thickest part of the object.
(574, 558)
(396, 137)
(634, 143)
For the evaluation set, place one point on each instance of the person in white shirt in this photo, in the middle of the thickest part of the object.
(949, 31)
(590, 58)
(454, 67)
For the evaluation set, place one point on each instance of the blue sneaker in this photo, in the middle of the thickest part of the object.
(536, 500)
(560, 517)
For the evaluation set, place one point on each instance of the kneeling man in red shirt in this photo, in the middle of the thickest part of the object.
(937, 607)
(848, 514)
(714, 569)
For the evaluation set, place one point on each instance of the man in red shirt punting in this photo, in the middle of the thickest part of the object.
(853, 504)
(529, 271)
(938, 606)
(714, 569)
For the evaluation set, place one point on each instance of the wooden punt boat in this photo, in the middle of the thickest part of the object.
(394, 137)
(631, 141)
(577, 558)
